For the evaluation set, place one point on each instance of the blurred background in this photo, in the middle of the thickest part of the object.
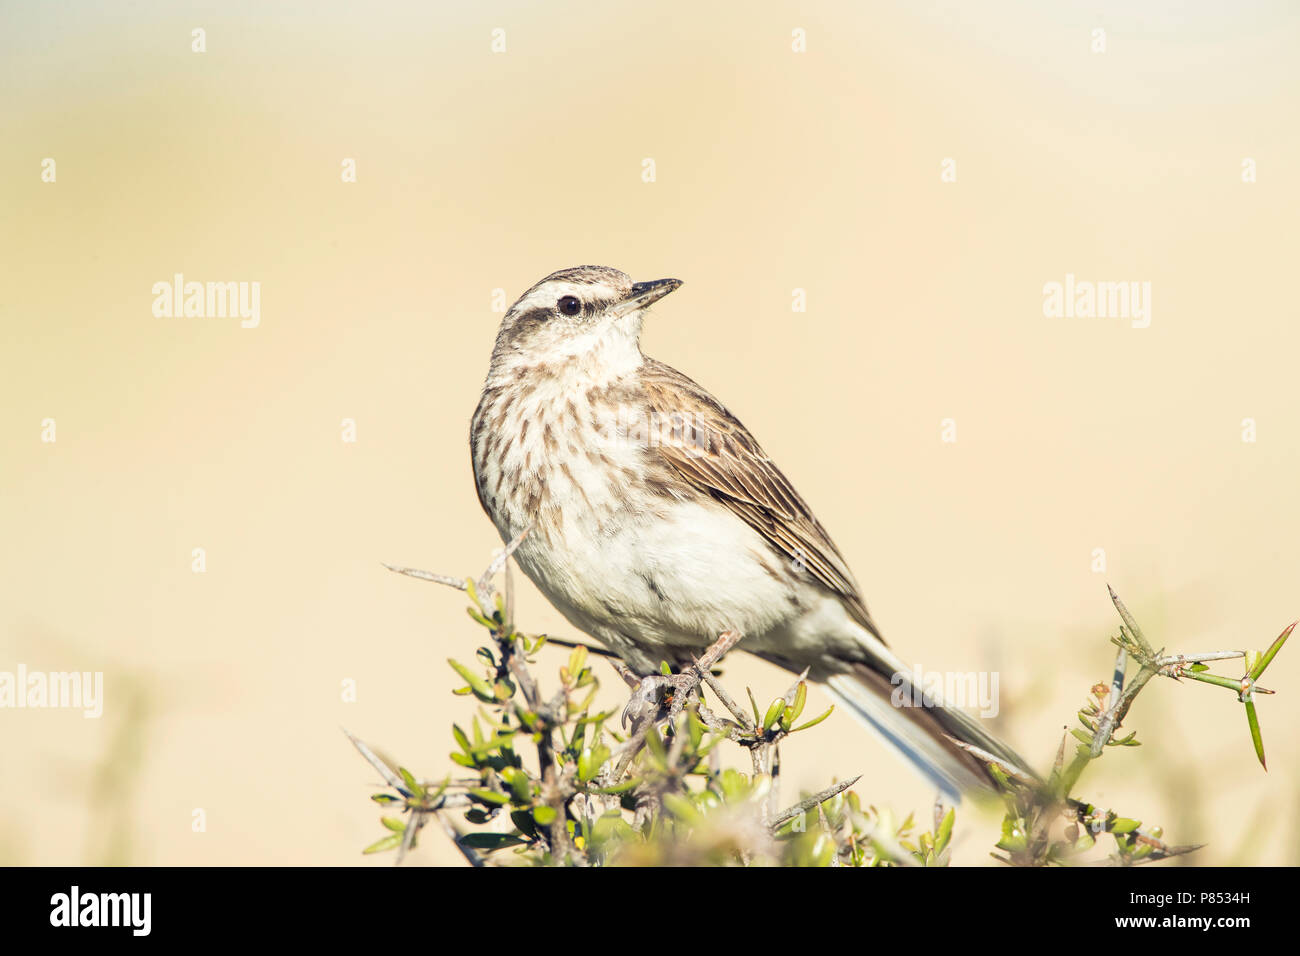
(774, 170)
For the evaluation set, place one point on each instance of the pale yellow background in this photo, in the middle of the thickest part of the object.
(775, 171)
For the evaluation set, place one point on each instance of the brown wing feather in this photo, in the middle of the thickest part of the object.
(718, 455)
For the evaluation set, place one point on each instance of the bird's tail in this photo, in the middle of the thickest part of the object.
(920, 727)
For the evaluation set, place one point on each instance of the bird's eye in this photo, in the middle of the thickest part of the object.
(569, 305)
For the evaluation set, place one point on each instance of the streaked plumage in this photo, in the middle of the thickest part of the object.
(658, 521)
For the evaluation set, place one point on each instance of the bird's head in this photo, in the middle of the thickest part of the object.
(582, 314)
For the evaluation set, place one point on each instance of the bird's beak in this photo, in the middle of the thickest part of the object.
(645, 293)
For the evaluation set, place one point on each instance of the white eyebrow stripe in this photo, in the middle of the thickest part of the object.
(545, 296)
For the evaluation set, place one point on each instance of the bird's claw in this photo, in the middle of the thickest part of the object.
(657, 697)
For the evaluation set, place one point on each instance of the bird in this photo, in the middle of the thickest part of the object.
(654, 521)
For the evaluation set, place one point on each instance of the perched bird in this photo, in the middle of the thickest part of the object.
(656, 521)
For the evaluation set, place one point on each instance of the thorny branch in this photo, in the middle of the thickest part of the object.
(566, 805)
(672, 696)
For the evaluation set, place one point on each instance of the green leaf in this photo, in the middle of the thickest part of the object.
(523, 819)
(1124, 825)
(411, 783)
(681, 807)
(491, 841)
(391, 842)
(1268, 655)
(695, 729)
(442, 788)
(1014, 837)
(623, 787)
(591, 761)
(944, 833)
(544, 815)
(815, 721)
(462, 738)
(521, 788)
(655, 745)
(490, 796)
(577, 661)
(800, 700)
(476, 682)
(1255, 736)
(477, 615)
(394, 824)
(773, 712)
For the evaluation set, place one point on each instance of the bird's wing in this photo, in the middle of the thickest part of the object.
(714, 452)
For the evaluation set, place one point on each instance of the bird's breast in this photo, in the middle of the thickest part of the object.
(617, 540)
(547, 455)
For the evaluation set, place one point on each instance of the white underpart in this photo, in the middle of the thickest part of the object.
(677, 574)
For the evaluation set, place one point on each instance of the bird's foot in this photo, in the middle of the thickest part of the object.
(658, 697)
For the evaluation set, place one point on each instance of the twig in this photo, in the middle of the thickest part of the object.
(1114, 716)
(408, 835)
(1131, 622)
(499, 562)
(445, 801)
(457, 583)
(484, 583)
(985, 757)
(1121, 668)
(772, 753)
(385, 771)
(725, 642)
(525, 678)
(623, 671)
(817, 799)
(510, 595)
(704, 668)
(468, 852)
(737, 711)
(1197, 658)
(727, 728)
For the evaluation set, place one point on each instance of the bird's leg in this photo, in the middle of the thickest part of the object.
(659, 697)
(663, 696)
